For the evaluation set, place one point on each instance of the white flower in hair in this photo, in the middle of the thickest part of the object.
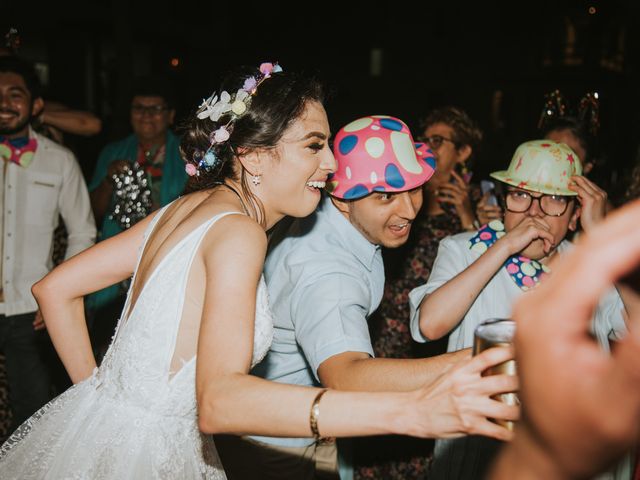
(235, 106)
(223, 106)
(204, 110)
(213, 108)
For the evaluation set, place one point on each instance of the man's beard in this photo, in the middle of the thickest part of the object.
(7, 130)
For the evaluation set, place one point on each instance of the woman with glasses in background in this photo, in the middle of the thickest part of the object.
(454, 138)
(153, 148)
(479, 275)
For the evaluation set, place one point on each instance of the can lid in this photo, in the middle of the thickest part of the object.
(497, 330)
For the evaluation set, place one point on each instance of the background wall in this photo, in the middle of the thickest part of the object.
(377, 57)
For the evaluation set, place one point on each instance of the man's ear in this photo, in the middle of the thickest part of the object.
(37, 107)
(464, 152)
(342, 206)
(171, 116)
(573, 222)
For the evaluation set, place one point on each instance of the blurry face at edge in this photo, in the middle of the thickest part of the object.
(295, 172)
(385, 218)
(558, 226)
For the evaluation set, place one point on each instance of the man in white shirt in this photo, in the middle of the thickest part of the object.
(479, 275)
(39, 181)
(567, 381)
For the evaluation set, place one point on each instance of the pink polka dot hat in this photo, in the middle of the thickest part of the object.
(377, 154)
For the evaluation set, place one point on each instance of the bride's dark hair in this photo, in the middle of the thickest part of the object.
(278, 102)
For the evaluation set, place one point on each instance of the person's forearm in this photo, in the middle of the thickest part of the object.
(67, 328)
(386, 374)
(100, 199)
(73, 121)
(238, 403)
(244, 404)
(439, 314)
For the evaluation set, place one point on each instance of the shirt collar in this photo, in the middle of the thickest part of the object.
(355, 242)
(33, 134)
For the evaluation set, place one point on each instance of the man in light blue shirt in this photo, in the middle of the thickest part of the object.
(326, 277)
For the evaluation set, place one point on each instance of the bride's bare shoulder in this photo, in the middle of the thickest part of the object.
(240, 229)
(236, 231)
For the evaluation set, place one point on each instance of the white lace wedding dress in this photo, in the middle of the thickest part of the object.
(133, 418)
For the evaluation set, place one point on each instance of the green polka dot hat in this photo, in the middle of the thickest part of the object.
(542, 166)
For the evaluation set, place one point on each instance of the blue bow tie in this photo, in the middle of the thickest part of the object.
(18, 142)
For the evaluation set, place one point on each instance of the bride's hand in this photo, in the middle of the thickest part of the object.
(459, 402)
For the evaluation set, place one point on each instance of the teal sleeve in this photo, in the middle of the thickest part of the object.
(100, 172)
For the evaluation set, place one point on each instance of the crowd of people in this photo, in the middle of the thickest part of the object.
(286, 309)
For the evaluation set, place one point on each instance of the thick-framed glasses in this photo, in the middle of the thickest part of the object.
(517, 201)
(436, 141)
(148, 109)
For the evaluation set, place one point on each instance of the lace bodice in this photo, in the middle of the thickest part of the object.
(139, 359)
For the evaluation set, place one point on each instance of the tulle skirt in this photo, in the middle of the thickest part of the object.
(86, 433)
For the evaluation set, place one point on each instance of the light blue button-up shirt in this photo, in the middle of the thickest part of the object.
(324, 280)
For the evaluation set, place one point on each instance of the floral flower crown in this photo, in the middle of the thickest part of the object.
(235, 106)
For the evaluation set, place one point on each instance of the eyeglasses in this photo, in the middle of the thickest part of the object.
(436, 141)
(150, 109)
(517, 201)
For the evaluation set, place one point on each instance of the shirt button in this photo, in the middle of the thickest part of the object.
(9, 212)
(9, 234)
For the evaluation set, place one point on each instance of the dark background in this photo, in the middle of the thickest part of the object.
(494, 59)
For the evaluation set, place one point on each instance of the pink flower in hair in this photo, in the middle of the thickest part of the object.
(221, 135)
(266, 69)
(191, 170)
(249, 84)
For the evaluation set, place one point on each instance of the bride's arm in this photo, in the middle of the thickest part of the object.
(60, 294)
(232, 401)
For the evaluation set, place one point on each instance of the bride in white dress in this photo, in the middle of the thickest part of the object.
(197, 317)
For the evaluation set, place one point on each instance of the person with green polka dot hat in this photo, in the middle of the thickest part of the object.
(478, 275)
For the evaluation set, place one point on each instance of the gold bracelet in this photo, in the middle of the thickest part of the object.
(314, 414)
